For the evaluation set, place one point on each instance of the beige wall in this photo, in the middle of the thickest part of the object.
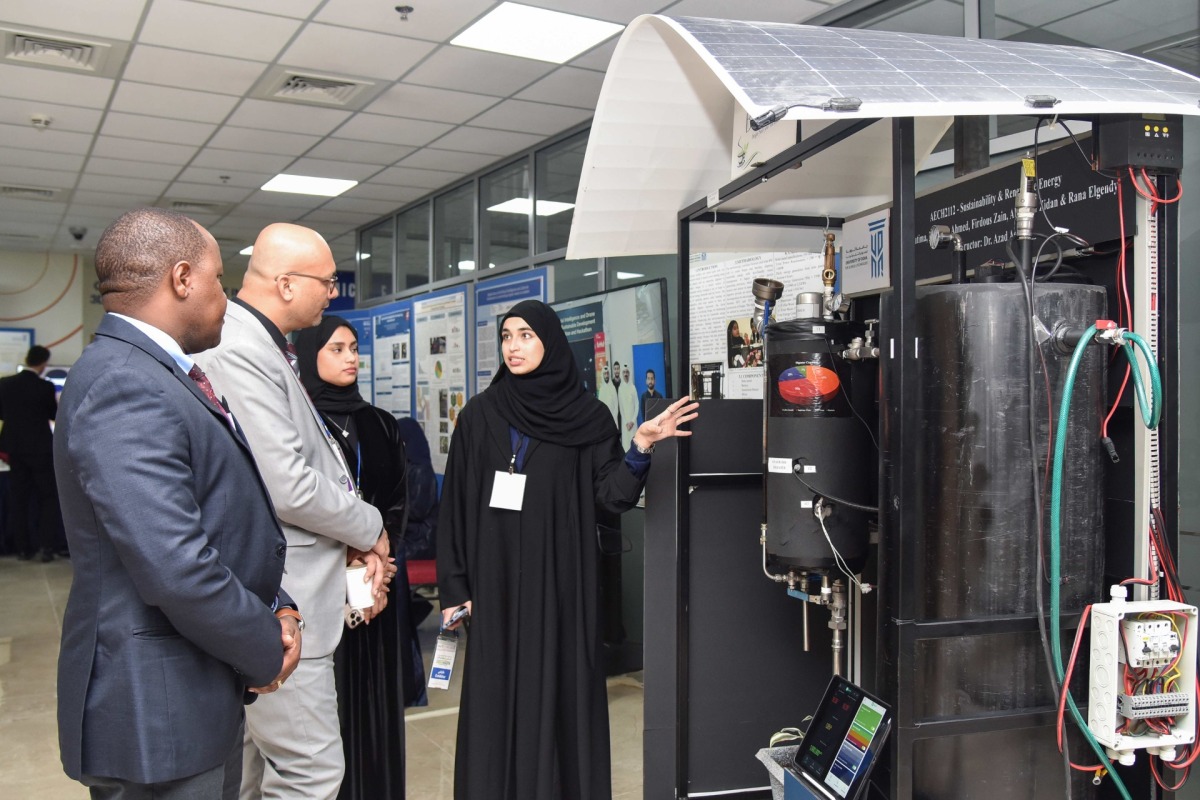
(47, 292)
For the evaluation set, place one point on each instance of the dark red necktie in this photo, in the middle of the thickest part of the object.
(292, 358)
(197, 375)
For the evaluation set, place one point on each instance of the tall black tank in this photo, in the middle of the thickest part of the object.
(816, 436)
(979, 517)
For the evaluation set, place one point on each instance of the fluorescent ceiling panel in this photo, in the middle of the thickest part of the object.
(523, 205)
(245, 251)
(536, 33)
(306, 184)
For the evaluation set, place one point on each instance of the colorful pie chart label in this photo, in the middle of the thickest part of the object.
(804, 384)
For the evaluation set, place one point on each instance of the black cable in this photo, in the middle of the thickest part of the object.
(837, 500)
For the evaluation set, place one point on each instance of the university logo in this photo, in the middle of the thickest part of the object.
(876, 230)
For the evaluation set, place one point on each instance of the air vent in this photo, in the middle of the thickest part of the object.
(318, 90)
(198, 207)
(20, 237)
(28, 192)
(332, 91)
(30, 47)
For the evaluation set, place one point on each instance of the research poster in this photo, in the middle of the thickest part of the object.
(392, 357)
(493, 299)
(364, 328)
(726, 353)
(439, 346)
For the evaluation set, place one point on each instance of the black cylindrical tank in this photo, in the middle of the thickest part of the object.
(814, 436)
(975, 483)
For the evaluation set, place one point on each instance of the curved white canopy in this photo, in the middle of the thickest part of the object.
(662, 135)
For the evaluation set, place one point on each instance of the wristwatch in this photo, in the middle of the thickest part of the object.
(644, 450)
(294, 614)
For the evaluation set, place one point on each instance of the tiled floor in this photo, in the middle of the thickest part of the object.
(32, 598)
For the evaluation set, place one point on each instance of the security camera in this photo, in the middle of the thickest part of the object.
(78, 232)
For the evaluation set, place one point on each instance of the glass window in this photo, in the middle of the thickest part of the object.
(574, 278)
(558, 169)
(412, 247)
(454, 233)
(504, 214)
(628, 270)
(375, 260)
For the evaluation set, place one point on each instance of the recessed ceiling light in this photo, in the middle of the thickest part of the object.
(363, 256)
(463, 266)
(521, 205)
(628, 276)
(303, 184)
(247, 250)
(517, 30)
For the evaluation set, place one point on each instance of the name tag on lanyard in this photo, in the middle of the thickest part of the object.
(508, 489)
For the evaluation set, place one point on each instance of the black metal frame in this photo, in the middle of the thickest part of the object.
(901, 549)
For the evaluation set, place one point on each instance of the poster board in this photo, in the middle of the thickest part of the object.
(720, 309)
(625, 327)
(14, 346)
(392, 357)
(440, 354)
(493, 299)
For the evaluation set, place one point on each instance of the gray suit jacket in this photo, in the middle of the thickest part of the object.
(303, 468)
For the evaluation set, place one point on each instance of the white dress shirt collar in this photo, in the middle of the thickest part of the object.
(161, 339)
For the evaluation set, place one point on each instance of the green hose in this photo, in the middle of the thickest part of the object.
(1151, 415)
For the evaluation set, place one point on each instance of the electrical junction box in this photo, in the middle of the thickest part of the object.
(1143, 667)
(1153, 142)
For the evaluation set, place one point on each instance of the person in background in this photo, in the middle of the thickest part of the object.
(607, 391)
(175, 608)
(649, 394)
(627, 401)
(27, 407)
(293, 740)
(532, 458)
(378, 664)
(420, 534)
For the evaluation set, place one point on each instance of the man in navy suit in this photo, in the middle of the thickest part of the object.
(175, 609)
(27, 405)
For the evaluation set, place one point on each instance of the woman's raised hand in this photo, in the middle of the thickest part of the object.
(667, 423)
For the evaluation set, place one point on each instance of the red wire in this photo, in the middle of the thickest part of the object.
(1066, 684)
(1122, 293)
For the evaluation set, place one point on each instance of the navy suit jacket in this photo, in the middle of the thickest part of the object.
(178, 557)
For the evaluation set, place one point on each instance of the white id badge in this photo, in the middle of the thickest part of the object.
(508, 490)
(443, 660)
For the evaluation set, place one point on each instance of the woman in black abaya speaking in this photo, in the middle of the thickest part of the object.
(530, 461)
(378, 663)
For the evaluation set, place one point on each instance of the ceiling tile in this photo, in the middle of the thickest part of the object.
(397, 195)
(227, 160)
(32, 176)
(274, 115)
(201, 71)
(349, 218)
(540, 118)
(621, 11)
(758, 10)
(284, 8)
(63, 118)
(217, 30)
(275, 142)
(362, 152)
(483, 140)
(567, 86)
(1039, 12)
(102, 215)
(322, 168)
(161, 101)
(358, 205)
(120, 185)
(392, 130)
(225, 177)
(30, 211)
(50, 141)
(476, 71)
(208, 192)
(424, 102)
(123, 202)
(419, 178)
(276, 200)
(157, 129)
(430, 158)
(135, 149)
(597, 58)
(132, 169)
(432, 21)
(346, 51)
(112, 19)
(39, 159)
(53, 86)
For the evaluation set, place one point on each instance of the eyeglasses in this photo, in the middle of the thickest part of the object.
(330, 283)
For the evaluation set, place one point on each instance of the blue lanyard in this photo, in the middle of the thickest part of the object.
(520, 443)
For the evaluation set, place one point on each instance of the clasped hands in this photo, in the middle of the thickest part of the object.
(381, 569)
(290, 637)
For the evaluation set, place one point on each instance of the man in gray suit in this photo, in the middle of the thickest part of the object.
(293, 742)
(177, 553)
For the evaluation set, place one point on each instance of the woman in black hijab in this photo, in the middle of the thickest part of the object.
(378, 664)
(531, 459)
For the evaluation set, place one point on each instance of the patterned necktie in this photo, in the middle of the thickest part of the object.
(292, 358)
(197, 375)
